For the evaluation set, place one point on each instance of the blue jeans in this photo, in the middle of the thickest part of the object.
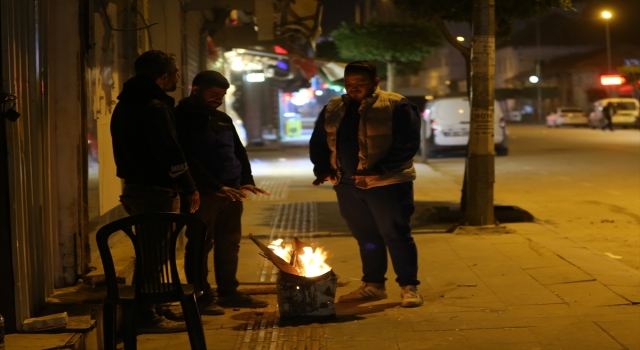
(379, 220)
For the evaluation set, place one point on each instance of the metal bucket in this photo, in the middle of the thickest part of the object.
(313, 297)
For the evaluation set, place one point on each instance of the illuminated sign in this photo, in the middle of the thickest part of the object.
(612, 80)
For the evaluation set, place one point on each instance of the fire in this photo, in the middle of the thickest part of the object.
(310, 263)
(282, 250)
(313, 262)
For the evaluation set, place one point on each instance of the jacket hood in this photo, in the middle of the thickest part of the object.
(143, 89)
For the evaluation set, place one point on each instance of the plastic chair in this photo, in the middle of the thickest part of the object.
(154, 237)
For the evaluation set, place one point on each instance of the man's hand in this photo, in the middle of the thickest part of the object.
(231, 193)
(365, 175)
(321, 179)
(253, 189)
(194, 201)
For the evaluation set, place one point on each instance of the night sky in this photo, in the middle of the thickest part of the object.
(624, 26)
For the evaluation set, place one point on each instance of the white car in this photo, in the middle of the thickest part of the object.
(627, 112)
(573, 116)
(448, 126)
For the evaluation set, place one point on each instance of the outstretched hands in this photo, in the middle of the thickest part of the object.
(239, 194)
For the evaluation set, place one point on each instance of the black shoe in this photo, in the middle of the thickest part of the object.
(239, 299)
(207, 305)
(160, 325)
(210, 309)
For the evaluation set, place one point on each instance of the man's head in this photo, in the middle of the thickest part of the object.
(159, 66)
(360, 79)
(208, 88)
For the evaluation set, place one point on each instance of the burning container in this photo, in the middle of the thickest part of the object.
(306, 286)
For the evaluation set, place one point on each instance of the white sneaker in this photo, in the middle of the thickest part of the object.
(368, 291)
(411, 297)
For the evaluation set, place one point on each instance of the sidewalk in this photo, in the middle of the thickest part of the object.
(532, 288)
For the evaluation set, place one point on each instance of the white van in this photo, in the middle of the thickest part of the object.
(448, 126)
(627, 112)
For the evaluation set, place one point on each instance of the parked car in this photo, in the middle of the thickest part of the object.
(573, 116)
(448, 126)
(627, 112)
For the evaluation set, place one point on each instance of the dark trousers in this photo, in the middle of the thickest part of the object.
(139, 199)
(224, 232)
(379, 220)
(609, 123)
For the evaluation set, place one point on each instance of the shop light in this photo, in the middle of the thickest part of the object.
(319, 92)
(237, 64)
(534, 79)
(255, 77)
(612, 80)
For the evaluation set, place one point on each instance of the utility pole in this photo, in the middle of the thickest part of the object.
(538, 62)
(481, 155)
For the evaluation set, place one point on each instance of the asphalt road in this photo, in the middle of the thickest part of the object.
(584, 183)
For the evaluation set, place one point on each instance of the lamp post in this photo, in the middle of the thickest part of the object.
(607, 16)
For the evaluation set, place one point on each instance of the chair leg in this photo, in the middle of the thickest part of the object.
(109, 312)
(129, 330)
(194, 322)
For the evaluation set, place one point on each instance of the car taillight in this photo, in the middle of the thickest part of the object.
(502, 123)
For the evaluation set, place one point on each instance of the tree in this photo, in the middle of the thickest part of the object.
(632, 75)
(389, 42)
(500, 14)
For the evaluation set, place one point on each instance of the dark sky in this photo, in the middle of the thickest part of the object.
(336, 12)
(624, 24)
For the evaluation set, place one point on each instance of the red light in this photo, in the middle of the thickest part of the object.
(612, 80)
(280, 50)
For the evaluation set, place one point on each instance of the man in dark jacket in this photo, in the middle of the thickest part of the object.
(147, 154)
(364, 143)
(221, 169)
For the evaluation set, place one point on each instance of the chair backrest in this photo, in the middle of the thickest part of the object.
(154, 237)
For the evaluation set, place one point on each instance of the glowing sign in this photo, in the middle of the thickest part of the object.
(612, 80)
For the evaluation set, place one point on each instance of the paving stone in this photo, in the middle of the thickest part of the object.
(361, 344)
(559, 274)
(530, 255)
(587, 294)
(571, 336)
(508, 346)
(625, 332)
(632, 294)
(449, 339)
(461, 323)
(499, 336)
(626, 309)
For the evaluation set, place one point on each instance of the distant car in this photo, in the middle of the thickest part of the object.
(573, 116)
(448, 126)
(627, 112)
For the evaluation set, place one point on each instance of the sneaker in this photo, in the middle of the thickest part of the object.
(368, 291)
(160, 325)
(410, 296)
(239, 299)
(169, 314)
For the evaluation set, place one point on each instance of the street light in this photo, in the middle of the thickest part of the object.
(607, 16)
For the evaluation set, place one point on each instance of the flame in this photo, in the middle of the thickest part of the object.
(310, 264)
(282, 250)
(313, 262)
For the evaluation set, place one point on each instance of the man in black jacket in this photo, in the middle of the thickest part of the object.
(148, 157)
(221, 169)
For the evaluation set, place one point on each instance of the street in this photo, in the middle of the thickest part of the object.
(584, 182)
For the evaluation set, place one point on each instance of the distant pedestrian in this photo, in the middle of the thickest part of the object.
(222, 172)
(149, 159)
(364, 143)
(607, 113)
